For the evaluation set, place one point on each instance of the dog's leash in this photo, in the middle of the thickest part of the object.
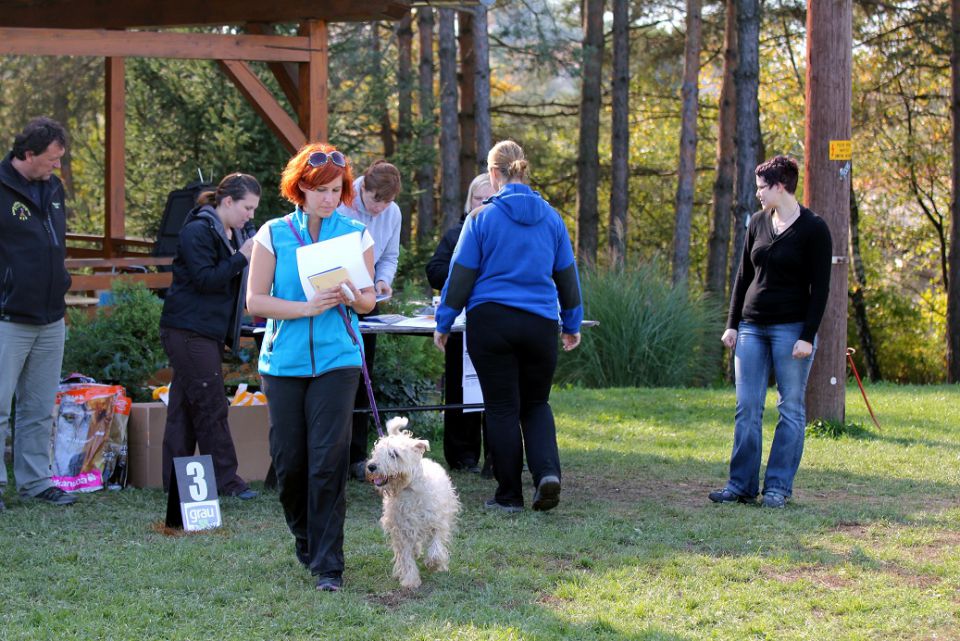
(356, 341)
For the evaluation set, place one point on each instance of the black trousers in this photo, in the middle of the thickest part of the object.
(515, 355)
(361, 420)
(197, 408)
(461, 431)
(309, 441)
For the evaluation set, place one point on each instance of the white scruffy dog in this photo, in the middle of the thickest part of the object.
(419, 503)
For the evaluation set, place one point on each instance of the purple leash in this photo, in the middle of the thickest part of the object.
(356, 341)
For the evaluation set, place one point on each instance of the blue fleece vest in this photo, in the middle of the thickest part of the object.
(305, 346)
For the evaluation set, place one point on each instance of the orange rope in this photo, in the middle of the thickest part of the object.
(850, 353)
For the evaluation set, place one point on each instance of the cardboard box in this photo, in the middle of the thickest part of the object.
(248, 426)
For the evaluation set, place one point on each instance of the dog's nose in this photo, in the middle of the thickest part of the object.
(372, 467)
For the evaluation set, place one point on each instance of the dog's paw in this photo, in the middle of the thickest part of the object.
(410, 582)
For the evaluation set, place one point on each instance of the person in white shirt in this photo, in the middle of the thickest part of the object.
(374, 206)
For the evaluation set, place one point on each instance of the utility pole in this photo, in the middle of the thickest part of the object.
(826, 187)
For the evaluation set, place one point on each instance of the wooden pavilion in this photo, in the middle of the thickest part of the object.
(117, 29)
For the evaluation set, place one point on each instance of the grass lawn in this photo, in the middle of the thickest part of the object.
(867, 549)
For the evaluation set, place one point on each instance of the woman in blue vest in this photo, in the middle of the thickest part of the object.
(309, 362)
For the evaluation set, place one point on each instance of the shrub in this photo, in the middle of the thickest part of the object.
(119, 344)
(650, 333)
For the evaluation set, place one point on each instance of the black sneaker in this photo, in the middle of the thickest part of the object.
(55, 496)
(547, 495)
(329, 583)
(508, 509)
(728, 496)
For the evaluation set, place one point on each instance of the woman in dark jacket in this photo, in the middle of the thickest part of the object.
(461, 431)
(201, 310)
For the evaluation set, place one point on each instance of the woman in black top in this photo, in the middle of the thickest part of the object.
(777, 303)
(201, 311)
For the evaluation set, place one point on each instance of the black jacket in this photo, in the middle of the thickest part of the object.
(33, 278)
(439, 264)
(208, 279)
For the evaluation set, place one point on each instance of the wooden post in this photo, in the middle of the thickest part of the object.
(313, 82)
(826, 188)
(115, 165)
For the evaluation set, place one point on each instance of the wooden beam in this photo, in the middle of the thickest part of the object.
(313, 82)
(260, 98)
(123, 14)
(142, 261)
(152, 44)
(115, 161)
(91, 282)
(286, 73)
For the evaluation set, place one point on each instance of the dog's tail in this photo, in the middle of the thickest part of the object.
(395, 424)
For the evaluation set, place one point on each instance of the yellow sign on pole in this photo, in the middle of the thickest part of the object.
(841, 150)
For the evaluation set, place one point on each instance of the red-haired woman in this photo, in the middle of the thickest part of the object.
(309, 363)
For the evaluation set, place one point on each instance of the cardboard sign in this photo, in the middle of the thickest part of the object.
(192, 503)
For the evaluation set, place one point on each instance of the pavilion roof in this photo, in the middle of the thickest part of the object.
(125, 14)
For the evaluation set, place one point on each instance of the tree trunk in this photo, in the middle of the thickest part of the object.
(726, 163)
(953, 290)
(468, 70)
(481, 86)
(588, 158)
(386, 127)
(620, 134)
(426, 206)
(747, 81)
(450, 203)
(856, 293)
(747, 77)
(405, 117)
(826, 188)
(687, 169)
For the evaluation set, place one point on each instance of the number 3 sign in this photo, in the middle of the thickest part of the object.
(193, 503)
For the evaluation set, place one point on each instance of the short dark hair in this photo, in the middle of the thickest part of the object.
(383, 179)
(37, 136)
(780, 170)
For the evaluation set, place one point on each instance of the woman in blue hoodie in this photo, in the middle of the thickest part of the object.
(200, 312)
(514, 271)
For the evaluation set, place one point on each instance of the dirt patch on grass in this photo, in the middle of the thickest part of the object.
(396, 598)
(818, 575)
(584, 487)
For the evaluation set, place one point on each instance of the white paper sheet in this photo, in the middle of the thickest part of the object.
(343, 251)
(471, 384)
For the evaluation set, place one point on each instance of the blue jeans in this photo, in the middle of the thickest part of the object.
(760, 347)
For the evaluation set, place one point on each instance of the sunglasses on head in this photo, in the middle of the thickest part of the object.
(321, 158)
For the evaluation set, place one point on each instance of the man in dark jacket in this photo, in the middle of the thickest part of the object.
(33, 282)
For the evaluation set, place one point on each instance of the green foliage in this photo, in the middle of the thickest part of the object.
(120, 343)
(650, 333)
(406, 371)
(825, 428)
(909, 337)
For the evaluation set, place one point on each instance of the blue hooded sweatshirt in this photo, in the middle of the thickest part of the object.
(515, 251)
